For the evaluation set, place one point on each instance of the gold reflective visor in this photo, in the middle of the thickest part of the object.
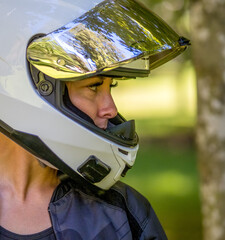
(106, 39)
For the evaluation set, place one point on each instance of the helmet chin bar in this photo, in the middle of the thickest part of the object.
(93, 170)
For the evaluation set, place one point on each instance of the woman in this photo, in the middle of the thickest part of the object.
(67, 146)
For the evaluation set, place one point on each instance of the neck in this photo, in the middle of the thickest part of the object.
(20, 172)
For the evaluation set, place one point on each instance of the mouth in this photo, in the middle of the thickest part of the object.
(102, 124)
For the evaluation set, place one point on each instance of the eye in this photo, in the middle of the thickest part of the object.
(94, 86)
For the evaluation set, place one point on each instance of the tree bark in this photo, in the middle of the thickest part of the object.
(208, 46)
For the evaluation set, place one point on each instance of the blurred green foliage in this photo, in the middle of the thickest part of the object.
(165, 173)
(164, 107)
(174, 12)
(162, 104)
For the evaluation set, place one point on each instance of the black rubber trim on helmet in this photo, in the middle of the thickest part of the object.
(127, 72)
(38, 148)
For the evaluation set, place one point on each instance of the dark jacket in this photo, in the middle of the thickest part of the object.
(78, 213)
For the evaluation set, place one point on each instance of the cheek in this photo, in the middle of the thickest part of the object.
(85, 103)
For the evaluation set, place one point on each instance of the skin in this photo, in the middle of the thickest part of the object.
(25, 189)
(25, 186)
(93, 97)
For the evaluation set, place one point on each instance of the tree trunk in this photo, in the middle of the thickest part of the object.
(208, 46)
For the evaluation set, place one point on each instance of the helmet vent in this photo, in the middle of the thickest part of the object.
(123, 151)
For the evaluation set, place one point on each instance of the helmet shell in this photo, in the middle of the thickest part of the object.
(23, 111)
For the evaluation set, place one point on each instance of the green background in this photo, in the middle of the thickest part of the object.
(165, 108)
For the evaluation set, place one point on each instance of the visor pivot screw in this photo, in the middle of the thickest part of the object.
(45, 88)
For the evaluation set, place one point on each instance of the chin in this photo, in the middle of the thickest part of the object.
(102, 125)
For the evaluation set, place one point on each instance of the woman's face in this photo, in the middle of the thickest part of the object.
(93, 97)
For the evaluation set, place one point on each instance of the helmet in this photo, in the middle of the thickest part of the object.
(47, 42)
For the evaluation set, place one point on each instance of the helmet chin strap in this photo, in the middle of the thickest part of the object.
(124, 130)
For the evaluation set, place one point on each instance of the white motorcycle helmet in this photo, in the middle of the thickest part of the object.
(44, 43)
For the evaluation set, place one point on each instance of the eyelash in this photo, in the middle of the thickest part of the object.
(94, 86)
(114, 84)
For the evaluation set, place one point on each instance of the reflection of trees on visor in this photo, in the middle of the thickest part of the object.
(131, 24)
(110, 35)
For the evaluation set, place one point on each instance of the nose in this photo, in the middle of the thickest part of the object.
(107, 106)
